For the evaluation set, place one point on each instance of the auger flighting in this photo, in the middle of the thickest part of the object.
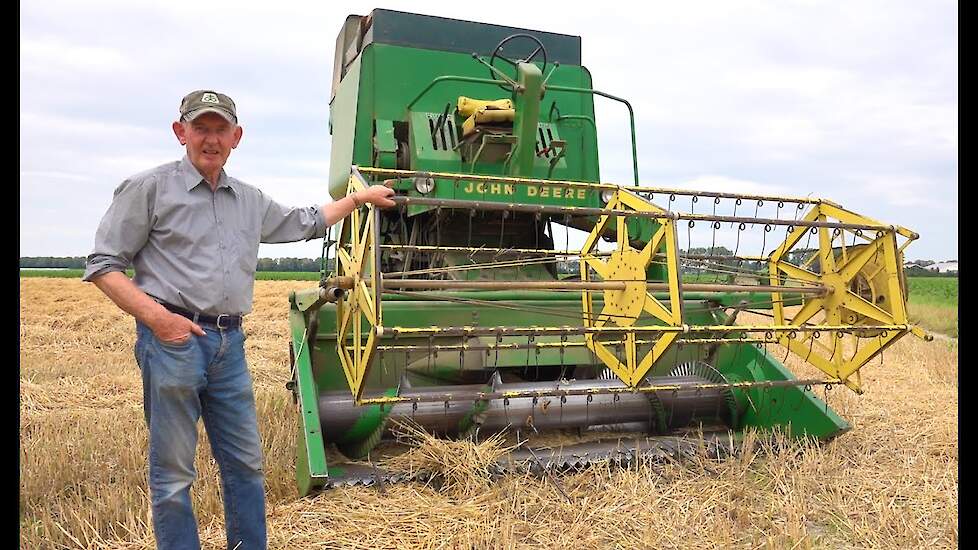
(462, 310)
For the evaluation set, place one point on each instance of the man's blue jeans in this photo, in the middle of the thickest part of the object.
(205, 377)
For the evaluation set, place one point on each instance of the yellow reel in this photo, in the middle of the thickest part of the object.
(871, 284)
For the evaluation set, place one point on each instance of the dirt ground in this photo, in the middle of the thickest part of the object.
(891, 482)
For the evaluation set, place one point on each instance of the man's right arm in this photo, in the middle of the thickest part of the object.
(121, 234)
(167, 326)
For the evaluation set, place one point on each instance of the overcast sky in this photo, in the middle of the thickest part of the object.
(851, 101)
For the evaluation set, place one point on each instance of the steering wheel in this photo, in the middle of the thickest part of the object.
(499, 48)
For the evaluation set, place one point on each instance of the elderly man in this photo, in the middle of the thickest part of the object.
(192, 232)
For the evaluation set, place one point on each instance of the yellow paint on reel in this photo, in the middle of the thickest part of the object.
(625, 306)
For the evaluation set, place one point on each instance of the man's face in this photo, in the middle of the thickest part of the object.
(209, 139)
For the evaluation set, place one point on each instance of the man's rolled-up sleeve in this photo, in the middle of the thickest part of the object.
(284, 224)
(123, 231)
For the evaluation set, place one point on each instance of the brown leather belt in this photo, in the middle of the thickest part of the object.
(222, 321)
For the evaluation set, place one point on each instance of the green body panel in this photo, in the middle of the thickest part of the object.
(527, 105)
(343, 110)
(385, 145)
(793, 408)
(310, 463)
(455, 35)
(384, 79)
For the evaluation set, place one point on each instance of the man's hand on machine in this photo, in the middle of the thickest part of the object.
(174, 329)
(377, 195)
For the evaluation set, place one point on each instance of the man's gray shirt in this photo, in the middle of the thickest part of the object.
(190, 246)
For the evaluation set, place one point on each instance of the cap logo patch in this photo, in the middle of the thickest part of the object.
(209, 98)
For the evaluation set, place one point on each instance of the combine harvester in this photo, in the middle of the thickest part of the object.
(456, 309)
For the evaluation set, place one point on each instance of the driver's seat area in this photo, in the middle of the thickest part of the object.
(495, 117)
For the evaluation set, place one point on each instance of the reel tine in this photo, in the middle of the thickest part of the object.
(787, 349)
(563, 368)
(502, 229)
(880, 337)
(499, 341)
(461, 355)
(438, 226)
(767, 229)
(567, 233)
(587, 409)
(563, 399)
(536, 230)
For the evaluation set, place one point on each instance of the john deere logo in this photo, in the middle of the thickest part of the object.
(209, 98)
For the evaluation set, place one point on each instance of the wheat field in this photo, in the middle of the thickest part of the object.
(891, 482)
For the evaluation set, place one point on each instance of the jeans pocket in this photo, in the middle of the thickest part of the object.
(176, 346)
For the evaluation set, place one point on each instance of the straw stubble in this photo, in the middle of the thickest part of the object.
(890, 482)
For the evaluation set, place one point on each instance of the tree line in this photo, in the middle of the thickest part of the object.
(264, 264)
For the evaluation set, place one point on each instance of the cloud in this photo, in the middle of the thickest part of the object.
(907, 191)
(55, 175)
(724, 184)
(49, 56)
(78, 128)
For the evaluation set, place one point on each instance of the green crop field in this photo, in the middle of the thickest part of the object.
(933, 303)
(934, 290)
(56, 273)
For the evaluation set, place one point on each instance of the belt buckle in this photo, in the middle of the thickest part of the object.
(218, 322)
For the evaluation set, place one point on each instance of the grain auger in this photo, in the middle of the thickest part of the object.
(511, 289)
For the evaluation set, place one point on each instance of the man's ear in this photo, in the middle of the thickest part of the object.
(180, 132)
(238, 132)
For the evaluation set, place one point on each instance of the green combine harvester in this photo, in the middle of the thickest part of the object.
(511, 289)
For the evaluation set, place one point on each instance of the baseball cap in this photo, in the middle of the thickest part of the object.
(199, 102)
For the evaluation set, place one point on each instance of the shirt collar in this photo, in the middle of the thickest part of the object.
(192, 177)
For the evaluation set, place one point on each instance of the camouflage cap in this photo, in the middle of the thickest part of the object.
(199, 102)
